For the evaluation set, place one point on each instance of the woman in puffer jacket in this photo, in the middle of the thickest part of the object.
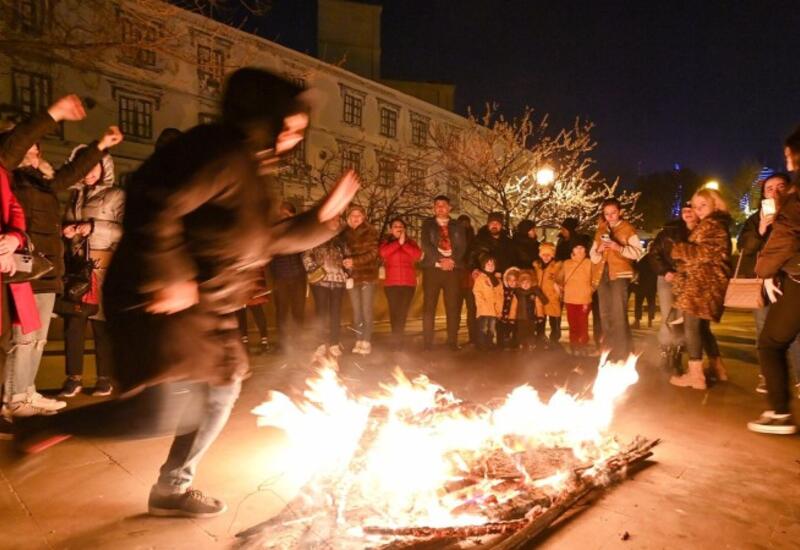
(399, 253)
(94, 213)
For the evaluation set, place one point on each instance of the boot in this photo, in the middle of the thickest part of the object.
(717, 368)
(694, 378)
(665, 357)
(676, 360)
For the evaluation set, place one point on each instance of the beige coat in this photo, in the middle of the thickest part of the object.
(546, 280)
(488, 298)
(576, 281)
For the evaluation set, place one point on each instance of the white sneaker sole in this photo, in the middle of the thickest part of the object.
(175, 513)
(772, 430)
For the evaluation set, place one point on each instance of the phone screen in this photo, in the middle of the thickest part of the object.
(768, 207)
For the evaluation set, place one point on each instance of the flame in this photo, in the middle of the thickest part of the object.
(423, 438)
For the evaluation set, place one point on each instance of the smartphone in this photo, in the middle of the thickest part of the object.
(768, 207)
(605, 237)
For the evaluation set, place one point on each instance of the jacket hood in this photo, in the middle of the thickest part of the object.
(108, 168)
(522, 229)
(508, 272)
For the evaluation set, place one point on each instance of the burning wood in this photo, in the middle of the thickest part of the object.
(416, 468)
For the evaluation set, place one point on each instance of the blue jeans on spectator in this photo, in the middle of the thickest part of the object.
(486, 326)
(699, 337)
(667, 336)
(793, 355)
(22, 362)
(613, 297)
(361, 298)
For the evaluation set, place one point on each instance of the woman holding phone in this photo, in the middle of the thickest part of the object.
(753, 237)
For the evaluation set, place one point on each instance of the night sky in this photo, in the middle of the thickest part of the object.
(707, 84)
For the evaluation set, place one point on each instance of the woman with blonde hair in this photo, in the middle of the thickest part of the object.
(704, 269)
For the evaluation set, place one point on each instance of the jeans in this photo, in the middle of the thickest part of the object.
(5, 334)
(258, 316)
(639, 297)
(667, 335)
(699, 337)
(196, 434)
(75, 342)
(290, 298)
(25, 355)
(361, 298)
(578, 319)
(328, 312)
(793, 355)
(613, 297)
(399, 298)
(781, 328)
(436, 280)
(486, 326)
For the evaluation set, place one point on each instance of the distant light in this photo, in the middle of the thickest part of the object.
(676, 167)
(712, 184)
(545, 176)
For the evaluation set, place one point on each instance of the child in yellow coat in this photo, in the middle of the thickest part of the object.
(548, 300)
(488, 291)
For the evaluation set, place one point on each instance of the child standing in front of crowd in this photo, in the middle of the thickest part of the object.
(507, 323)
(576, 280)
(526, 310)
(488, 293)
(548, 300)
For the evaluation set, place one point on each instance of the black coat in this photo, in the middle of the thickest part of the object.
(526, 250)
(37, 195)
(501, 249)
(750, 243)
(429, 240)
(660, 255)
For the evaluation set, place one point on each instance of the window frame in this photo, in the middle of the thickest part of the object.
(132, 126)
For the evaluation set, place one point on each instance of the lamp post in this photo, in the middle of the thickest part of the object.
(712, 184)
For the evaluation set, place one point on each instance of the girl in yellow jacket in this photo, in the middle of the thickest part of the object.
(576, 282)
(488, 291)
(548, 300)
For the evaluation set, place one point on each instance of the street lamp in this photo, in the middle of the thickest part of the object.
(545, 176)
(712, 184)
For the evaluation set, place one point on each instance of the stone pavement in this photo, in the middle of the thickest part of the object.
(712, 484)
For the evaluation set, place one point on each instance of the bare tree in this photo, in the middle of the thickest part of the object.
(498, 164)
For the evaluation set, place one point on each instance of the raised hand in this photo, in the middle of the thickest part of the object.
(111, 138)
(68, 107)
(174, 298)
(339, 197)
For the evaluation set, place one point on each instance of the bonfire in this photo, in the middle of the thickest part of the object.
(415, 467)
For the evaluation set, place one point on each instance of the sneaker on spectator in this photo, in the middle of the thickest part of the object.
(771, 423)
(102, 387)
(265, 347)
(366, 348)
(27, 408)
(191, 504)
(762, 384)
(39, 400)
(357, 347)
(72, 387)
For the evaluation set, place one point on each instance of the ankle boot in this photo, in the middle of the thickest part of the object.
(676, 360)
(717, 368)
(694, 377)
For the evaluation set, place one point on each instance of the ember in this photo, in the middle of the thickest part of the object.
(415, 463)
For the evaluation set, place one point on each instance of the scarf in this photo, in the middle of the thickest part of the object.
(444, 245)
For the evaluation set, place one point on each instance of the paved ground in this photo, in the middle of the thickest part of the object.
(713, 484)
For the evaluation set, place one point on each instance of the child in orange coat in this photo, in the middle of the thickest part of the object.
(488, 293)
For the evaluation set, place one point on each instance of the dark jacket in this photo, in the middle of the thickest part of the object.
(429, 240)
(526, 250)
(37, 194)
(361, 246)
(526, 303)
(704, 268)
(564, 246)
(288, 267)
(782, 251)
(750, 243)
(198, 209)
(660, 255)
(500, 248)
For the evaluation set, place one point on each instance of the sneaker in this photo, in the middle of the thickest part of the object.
(102, 387)
(72, 387)
(771, 423)
(191, 504)
(265, 347)
(762, 384)
(39, 400)
(27, 408)
(357, 347)
(366, 348)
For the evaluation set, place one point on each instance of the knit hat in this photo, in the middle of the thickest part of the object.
(495, 217)
(571, 224)
(547, 247)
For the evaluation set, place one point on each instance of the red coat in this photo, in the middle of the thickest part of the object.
(25, 313)
(399, 260)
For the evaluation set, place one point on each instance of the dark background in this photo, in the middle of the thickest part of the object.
(707, 84)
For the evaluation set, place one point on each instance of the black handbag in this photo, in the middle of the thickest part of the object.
(31, 265)
(77, 282)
